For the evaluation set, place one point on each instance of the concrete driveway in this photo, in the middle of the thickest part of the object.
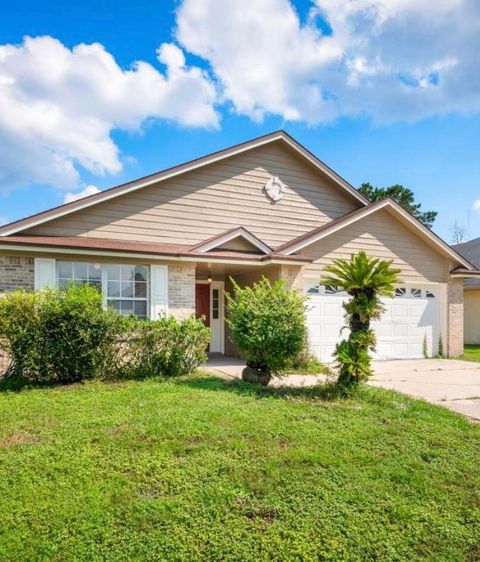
(447, 382)
(451, 383)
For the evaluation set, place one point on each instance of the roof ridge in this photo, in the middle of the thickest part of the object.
(106, 194)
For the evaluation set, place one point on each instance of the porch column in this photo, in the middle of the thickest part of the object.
(455, 317)
(293, 275)
(181, 290)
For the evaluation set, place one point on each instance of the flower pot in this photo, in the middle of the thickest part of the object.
(250, 374)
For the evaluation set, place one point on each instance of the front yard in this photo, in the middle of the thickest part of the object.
(471, 353)
(200, 469)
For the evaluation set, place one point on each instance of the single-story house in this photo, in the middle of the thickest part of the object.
(170, 243)
(471, 251)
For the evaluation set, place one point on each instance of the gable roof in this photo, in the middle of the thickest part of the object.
(470, 251)
(224, 237)
(325, 230)
(277, 136)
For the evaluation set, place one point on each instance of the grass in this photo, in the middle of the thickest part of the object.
(202, 469)
(471, 353)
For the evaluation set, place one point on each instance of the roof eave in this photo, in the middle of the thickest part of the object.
(330, 228)
(149, 254)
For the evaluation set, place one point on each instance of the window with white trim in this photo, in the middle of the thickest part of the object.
(315, 290)
(332, 290)
(78, 273)
(215, 304)
(325, 290)
(124, 287)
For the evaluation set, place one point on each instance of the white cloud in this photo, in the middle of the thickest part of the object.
(85, 192)
(476, 205)
(387, 59)
(58, 107)
(390, 60)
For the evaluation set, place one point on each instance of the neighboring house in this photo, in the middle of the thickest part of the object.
(471, 251)
(170, 242)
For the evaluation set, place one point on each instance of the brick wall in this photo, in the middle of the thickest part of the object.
(181, 290)
(16, 273)
(455, 317)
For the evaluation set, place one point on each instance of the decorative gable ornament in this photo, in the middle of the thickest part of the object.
(275, 189)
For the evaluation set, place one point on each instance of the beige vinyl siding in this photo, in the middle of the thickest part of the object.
(205, 202)
(383, 236)
(472, 316)
(238, 244)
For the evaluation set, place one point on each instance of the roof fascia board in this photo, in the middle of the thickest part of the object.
(181, 169)
(373, 209)
(469, 275)
(334, 228)
(324, 168)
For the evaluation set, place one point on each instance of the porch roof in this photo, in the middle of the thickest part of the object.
(167, 251)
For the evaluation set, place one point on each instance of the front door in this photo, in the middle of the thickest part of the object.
(202, 302)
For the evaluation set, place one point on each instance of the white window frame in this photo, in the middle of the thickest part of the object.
(104, 283)
(145, 299)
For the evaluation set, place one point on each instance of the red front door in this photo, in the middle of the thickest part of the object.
(202, 302)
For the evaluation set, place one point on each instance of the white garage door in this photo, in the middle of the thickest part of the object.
(411, 317)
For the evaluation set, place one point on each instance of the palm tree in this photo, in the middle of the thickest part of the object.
(366, 280)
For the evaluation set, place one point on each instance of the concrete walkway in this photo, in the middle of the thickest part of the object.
(231, 368)
(447, 382)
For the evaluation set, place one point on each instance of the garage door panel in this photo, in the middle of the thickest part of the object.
(332, 309)
(399, 311)
(400, 331)
(382, 329)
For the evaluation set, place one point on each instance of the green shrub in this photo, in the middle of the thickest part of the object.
(165, 347)
(67, 336)
(54, 336)
(441, 352)
(267, 324)
(21, 335)
(425, 347)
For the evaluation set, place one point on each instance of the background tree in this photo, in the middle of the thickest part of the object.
(366, 280)
(403, 196)
(458, 233)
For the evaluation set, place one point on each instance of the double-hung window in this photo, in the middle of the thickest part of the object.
(124, 287)
(127, 289)
(79, 273)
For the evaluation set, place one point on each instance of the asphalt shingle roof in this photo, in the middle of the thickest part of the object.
(470, 251)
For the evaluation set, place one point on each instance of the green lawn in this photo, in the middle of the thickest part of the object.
(471, 353)
(201, 469)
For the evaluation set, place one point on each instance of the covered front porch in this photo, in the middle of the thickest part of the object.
(213, 280)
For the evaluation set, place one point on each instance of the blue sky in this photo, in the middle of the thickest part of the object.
(376, 88)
